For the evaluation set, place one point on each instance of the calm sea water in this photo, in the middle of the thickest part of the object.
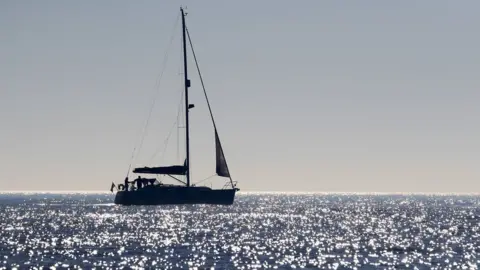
(260, 231)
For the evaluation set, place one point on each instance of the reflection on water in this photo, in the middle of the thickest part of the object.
(258, 231)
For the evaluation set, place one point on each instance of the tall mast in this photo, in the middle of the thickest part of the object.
(187, 105)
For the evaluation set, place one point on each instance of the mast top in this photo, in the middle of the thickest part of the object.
(183, 10)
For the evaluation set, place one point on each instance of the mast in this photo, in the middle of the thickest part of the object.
(187, 105)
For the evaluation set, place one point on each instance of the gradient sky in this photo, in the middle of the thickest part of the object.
(314, 95)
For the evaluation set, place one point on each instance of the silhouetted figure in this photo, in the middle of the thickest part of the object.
(126, 184)
(139, 182)
(151, 181)
(112, 187)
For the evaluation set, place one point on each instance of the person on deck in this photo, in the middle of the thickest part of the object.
(126, 184)
(139, 182)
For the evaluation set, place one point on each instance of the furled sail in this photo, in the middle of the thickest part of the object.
(222, 169)
(173, 170)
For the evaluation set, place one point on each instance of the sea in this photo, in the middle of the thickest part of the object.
(259, 231)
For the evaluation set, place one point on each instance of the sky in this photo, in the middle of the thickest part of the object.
(328, 96)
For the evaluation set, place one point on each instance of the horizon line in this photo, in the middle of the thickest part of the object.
(254, 192)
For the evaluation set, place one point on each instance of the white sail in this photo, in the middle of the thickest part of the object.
(221, 163)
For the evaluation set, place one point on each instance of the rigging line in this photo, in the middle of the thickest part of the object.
(180, 116)
(130, 165)
(176, 179)
(204, 179)
(165, 143)
(208, 103)
(169, 135)
(157, 84)
(179, 123)
(201, 78)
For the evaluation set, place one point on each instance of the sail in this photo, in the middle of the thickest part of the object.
(173, 170)
(222, 169)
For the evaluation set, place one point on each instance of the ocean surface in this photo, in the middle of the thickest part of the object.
(260, 231)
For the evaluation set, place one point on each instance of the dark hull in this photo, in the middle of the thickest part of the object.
(160, 195)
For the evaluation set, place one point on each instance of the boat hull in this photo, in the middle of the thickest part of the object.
(158, 195)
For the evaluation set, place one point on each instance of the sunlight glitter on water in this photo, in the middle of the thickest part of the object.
(258, 231)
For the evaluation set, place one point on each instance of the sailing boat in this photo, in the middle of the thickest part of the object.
(158, 193)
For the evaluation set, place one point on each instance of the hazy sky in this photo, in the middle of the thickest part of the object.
(308, 95)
